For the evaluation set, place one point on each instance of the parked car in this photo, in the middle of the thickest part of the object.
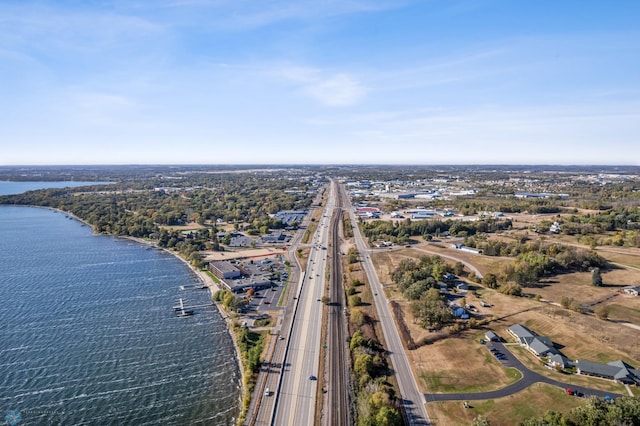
(569, 391)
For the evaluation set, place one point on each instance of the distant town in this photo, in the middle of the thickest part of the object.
(397, 294)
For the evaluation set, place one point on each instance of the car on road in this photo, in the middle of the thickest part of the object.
(569, 391)
(313, 378)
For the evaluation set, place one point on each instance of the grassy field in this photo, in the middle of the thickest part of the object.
(504, 411)
(620, 312)
(458, 364)
(462, 364)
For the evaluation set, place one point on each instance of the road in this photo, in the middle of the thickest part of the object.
(295, 395)
(262, 409)
(413, 400)
(528, 378)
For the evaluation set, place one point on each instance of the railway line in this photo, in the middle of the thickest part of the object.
(337, 403)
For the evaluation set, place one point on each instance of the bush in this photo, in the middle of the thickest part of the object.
(355, 300)
(511, 289)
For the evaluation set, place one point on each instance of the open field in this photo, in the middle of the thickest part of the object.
(228, 255)
(578, 336)
(504, 411)
(625, 308)
(458, 364)
(191, 226)
(462, 364)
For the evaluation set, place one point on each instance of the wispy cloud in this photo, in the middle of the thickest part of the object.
(328, 88)
(247, 14)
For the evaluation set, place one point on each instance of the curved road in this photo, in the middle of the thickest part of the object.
(528, 378)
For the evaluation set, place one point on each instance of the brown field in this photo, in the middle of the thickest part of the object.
(504, 411)
(459, 364)
(576, 285)
(579, 336)
(191, 226)
(240, 254)
(462, 364)
(625, 308)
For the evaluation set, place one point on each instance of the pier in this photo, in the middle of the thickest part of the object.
(182, 311)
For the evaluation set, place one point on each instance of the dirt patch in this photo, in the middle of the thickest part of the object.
(241, 254)
(191, 226)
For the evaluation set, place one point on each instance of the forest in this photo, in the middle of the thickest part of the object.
(146, 206)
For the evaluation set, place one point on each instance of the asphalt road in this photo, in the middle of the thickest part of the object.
(528, 378)
(296, 393)
(412, 398)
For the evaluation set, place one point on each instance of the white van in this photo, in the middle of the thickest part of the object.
(267, 392)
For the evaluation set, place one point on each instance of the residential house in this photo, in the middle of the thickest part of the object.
(491, 336)
(538, 345)
(632, 290)
(619, 371)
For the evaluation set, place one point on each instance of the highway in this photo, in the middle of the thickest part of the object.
(262, 408)
(295, 394)
(413, 400)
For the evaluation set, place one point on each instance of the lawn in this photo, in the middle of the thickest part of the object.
(461, 364)
(532, 402)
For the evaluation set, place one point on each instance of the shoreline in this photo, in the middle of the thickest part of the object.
(203, 276)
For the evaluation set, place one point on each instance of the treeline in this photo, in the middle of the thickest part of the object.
(507, 205)
(531, 266)
(624, 220)
(376, 399)
(141, 208)
(401, 232)
(624, 410)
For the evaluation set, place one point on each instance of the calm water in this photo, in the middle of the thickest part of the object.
(87, 333)
(7, 187)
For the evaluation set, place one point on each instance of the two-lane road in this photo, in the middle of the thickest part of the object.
(412, 398)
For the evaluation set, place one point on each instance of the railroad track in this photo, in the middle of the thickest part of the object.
(338, 409)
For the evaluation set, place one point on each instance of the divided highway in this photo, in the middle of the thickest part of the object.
(295, 396)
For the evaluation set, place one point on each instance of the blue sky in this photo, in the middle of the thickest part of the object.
(320, 81)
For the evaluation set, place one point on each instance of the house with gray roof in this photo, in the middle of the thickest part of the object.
(560, 360)
(632, 290)
(619, 371)
(491, 336)
(538, 345)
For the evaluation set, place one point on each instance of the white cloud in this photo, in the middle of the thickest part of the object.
(337, 90)
(331, 89)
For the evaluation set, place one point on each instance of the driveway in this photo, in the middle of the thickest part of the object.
(528, 378)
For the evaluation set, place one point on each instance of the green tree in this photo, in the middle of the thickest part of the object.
(596, 277)
(490, 280)
(387, 416)
(355, 300)
(363, 366)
